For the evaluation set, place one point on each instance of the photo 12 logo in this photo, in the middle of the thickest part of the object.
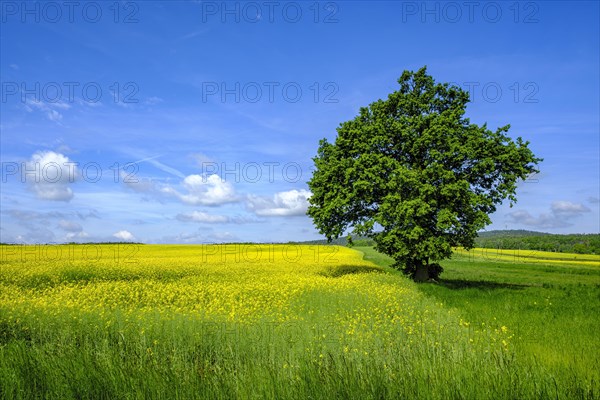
(270, 253)
(453, 12)
(52, 12)
(54, 252)
(68, 92)
(59, 171)
(270, 92)
(253, 172)
(493, 92)
(269, 12)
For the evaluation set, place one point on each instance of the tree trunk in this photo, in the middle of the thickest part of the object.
(421, 272)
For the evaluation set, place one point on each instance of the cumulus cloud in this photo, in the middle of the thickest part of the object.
(203, 190)
(560, 215)
(544, 220)
(49, 175)
(282, 204)
(567, 209)
(196, 190)
(124, 235)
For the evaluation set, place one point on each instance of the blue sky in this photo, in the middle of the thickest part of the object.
(196, 122)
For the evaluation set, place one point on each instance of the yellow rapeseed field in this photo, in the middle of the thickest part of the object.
(226, 320)
(325, 288)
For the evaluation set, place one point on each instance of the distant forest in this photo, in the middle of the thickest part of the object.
(516, 239)
(529, 240)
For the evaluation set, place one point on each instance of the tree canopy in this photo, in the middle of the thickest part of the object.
(413, 173)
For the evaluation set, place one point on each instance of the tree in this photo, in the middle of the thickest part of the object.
(412, 173)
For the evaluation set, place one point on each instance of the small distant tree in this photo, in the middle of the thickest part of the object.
(412, 173)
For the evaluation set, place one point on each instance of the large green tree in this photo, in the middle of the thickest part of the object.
(415, 175)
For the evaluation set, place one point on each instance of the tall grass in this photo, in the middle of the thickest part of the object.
(552, 307)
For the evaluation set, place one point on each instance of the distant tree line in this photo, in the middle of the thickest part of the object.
(527, 240)
(510, 239)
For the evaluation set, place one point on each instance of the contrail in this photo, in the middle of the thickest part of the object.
(161, 166)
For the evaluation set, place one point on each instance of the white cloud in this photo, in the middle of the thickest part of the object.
(48, 108)
(124, 235)
(566, 208)
(49, 175)
(561, 212)
(283, 204)
(202, 217)
(202, 190)
(544, 220)
(76, 235)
